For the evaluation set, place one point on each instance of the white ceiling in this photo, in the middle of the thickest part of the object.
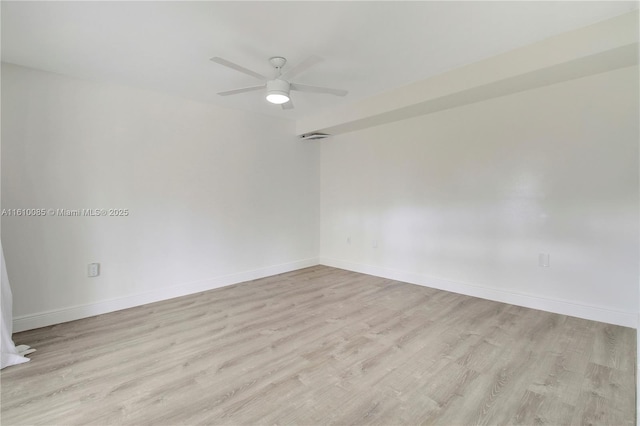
(368, 47)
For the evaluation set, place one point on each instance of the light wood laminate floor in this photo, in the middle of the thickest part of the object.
(324, 346)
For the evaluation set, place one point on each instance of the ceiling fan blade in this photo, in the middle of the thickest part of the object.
(302, 66)
(288, 105)
(244, 89)
(237, 67)
(315, 89)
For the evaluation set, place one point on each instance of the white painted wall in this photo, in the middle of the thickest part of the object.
(465, 199)
(215, 195)
(462, 199)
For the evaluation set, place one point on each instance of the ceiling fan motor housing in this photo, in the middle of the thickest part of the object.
(278, 87)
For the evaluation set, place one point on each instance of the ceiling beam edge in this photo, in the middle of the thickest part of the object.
(601, 47)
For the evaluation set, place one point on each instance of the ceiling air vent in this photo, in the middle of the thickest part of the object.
(314, 136)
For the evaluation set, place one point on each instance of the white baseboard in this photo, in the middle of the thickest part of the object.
(626, 319)
(43, 319)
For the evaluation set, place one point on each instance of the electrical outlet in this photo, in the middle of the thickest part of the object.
(348, 240)
(93, 270)
(374, 244)
(543, 260)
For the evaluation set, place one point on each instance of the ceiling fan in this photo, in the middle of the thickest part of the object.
(279, 86)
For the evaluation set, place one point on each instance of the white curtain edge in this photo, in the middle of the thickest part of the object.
(10, 354)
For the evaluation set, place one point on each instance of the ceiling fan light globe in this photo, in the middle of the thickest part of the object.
(277, 97)
(278, 91)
